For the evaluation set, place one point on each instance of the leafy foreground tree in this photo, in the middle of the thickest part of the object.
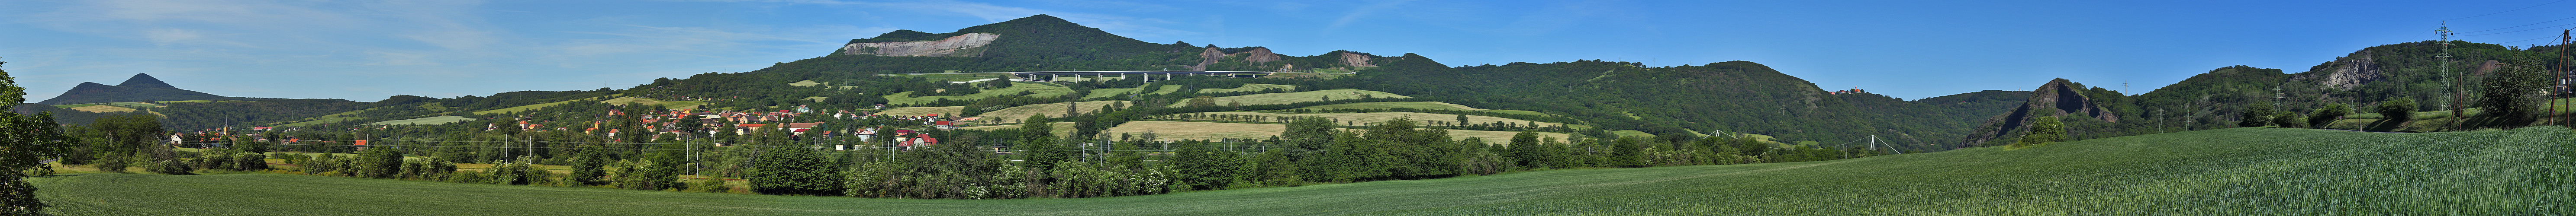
(789, 168)
(23, 140)
(2328, 115)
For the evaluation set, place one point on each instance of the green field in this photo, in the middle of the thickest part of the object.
(1114, 92)
(531, 106)
(1249, 87)
(2241, 171)
(1296, 97)
(1039, 90)
(1425, 105)
(424, 121)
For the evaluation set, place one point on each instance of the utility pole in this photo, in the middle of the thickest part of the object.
(2160, 119)
(2187, 119)
(2456, 79)
(2560, 81)
(2277, 100)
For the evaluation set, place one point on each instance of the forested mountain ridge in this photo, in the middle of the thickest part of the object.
(2365, 78)
(1047, 43)
(1737, 97)
(140, 88)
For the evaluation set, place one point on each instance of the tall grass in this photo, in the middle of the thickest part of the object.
(2212, 172)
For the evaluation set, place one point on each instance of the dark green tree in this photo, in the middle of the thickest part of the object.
(2254, 115)
(588, 165)
(1037, 140)
(794, 170)
(24, 141)
(2399, 110)
(2514, 93)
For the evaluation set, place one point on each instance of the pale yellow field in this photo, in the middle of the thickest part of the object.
(1062, 129)
(1171, 130)
(917, 111)
(1053, 110)
(804, 83)
(1422, 118)
(1296, 97)
(103, 109)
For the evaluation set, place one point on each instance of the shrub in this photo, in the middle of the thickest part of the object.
(250, 162)
(113, 163)
(2043, 131)
(2402, 109)
(2327, 115)
(2287, 119)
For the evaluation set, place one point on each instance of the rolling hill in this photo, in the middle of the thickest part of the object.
(140, 88)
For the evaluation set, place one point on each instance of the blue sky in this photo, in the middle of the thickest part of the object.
(368, 50)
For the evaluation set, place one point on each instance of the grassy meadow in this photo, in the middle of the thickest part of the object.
(1420, 118)
(1425, 105)
(1296, 97)
(424, 121)
(1036, 90)
(1114, 92)
(1174, 130)
(918, 111)
(1249, 87)
(1051, 110)
(2238, 171)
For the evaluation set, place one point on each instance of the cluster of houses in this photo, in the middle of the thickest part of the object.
(1849, 91)
(691, 122)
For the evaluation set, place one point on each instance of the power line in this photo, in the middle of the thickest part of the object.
(2516, 9)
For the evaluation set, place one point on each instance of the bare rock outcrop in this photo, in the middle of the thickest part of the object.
(1208, 57)
(958, 46)
(2351, 70)
(1260, 55)
(1355, 60)
(2057, 98)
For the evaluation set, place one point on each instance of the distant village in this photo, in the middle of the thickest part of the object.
(689, 123)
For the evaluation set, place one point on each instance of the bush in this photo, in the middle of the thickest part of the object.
(172, 167)
(2254, 115)
(2043, 131)
(2287, 119)
(113, 163)
(2328, 115)
(250, 162)
(2402, 109)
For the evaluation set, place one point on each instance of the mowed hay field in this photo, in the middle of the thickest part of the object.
(424, 121)
(918, 111)
(1296, 97)
(1421, 118)
(1114, 92)
(1052, 110)
(103, 109)
(650, 101)
(1249, 87)
(2241, 171)
(1426, 105)
(1036, 89)
(1172, 130)
(1062, 129)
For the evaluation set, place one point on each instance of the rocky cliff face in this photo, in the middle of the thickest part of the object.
(966, 45)
(2057, 98)
(1260, 55)
(1209, 57)
(2350, 71)
(1356, 60)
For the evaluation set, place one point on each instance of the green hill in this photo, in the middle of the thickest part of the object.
(2214, 172)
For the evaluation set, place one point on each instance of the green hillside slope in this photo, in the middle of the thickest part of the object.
(2226, 171)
